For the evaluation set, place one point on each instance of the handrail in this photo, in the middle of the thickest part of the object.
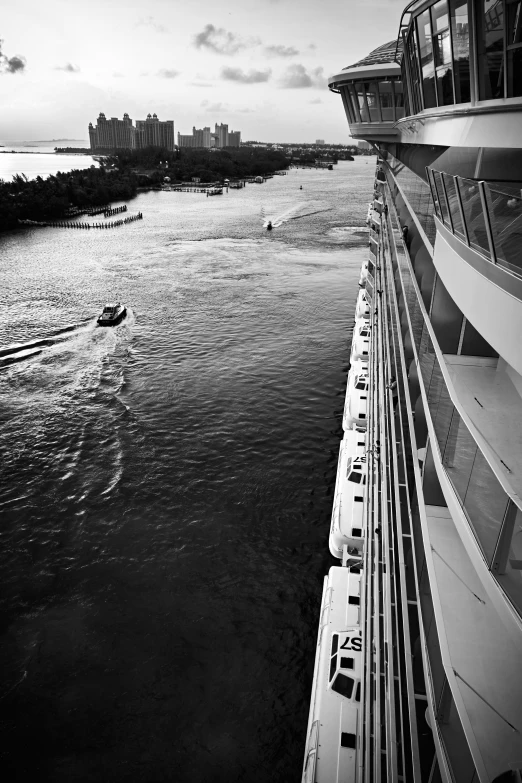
(491, 218)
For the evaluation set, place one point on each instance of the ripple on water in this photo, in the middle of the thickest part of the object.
(167, 484)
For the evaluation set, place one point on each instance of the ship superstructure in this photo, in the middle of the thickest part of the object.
(437, 549)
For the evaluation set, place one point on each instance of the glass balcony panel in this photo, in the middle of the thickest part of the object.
(511, 579)
(460, 33)
(451, 193)
(505, 216)
(490, 42)
(426, 59)
(347, 104)
(474, 216)
(434, 194)
(440, 16)
(514, 72)
(485, 503)
(361, 100)
(442, 200)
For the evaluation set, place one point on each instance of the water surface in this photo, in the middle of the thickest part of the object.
(167, 484)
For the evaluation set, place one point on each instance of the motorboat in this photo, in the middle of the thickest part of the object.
(112, 314)
(333, 737)
(269, 226)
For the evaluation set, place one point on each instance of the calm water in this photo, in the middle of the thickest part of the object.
(46, 162)
(167, 484)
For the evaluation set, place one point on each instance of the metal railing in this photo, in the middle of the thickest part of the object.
(487, 219)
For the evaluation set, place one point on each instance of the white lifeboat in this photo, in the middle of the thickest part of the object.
(363, 305)
(356, 404)
(347, 526)
(360, 341)
(333, 741)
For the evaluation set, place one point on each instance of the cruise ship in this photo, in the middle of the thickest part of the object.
(418, 671)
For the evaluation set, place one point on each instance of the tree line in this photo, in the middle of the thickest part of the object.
(121, 175)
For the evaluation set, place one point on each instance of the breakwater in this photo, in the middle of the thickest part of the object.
(115, 211)
(68, 224)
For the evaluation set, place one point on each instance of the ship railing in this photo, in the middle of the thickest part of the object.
(491, 508)
(487, 218)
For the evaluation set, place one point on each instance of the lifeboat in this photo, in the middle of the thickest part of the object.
(360, 341)
(333, 739)
(356, 403)
(362, 307)
(347, 526)
(112, 314)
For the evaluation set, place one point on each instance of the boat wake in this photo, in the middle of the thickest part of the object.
(290, 214)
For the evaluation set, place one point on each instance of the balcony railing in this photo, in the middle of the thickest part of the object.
(487, 219)
(493, 516)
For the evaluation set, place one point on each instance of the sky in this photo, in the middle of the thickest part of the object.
(261, 66)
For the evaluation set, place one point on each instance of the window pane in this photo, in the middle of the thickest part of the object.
(361, 98)
(426, 58)
(514, 73)
(347, 104)
(442, 48)
(514, 23)
(440, 16)
(460, 32)
(386, 100)
(474, 216)
(343, 685)
(372, 101)
(399, 99)
(445, 86)
(491, 49)
(355, 102)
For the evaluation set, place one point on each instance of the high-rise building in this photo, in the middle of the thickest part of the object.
(234, 139)
(154, 133)
(319, 141)
(121, 134)
(221, 132)
(186, 140)
(113, 133)
(201, 137)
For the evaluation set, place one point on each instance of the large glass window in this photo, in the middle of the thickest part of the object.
(386, 100)
(361, 99)
(413, 68)
(426, 59)
(355, 103)
(398, 91)
(442, 53)
(474, 216)
(372, 99)
(460, 36)
(347, 104)
(514, 47)
(490, 42)
(454, 207)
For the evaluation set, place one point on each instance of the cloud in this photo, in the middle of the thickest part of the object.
(281, 51)
(68, 68)
(117, 75)
(200, 84)
(296, 77)
(221, 41)
(312, 46)
(215, 107)
(14, 64)
(252, 77)
(149, 21)
(166, 73)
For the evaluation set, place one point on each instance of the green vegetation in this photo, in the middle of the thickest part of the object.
(120, 176)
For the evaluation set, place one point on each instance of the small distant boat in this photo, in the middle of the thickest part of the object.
(259, 180)
(300, 187)
(269, 226)
(112, 314)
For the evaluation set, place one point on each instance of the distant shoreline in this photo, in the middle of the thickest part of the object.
(32, 152)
